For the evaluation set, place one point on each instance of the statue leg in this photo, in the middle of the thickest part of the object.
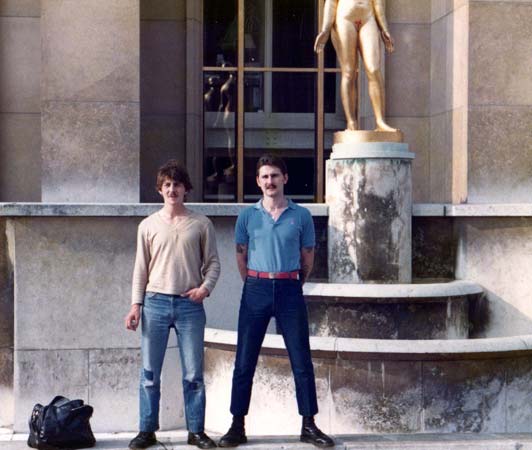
(371, 54)
(344, 37)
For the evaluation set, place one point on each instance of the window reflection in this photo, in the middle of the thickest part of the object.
(219, 100)
(293, 32)
(220, 32)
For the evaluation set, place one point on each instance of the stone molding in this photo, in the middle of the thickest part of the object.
(387, 349)
(23, 209)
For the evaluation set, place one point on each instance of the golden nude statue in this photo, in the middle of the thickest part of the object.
(357, 25)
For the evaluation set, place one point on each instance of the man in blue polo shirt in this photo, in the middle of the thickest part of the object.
(275, 253)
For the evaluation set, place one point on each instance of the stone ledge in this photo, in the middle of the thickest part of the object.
(128, 209)
(20, 209)
(489, 210)
(395, 291)
(387, 349)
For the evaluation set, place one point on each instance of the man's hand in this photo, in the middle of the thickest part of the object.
(197, 295)
(132, 319)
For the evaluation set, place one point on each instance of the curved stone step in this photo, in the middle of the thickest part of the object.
(391, 311)
(383, 386)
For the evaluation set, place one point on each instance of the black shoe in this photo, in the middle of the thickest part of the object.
(311, 434)
(234, 437)
(144, 439)
(200, 440)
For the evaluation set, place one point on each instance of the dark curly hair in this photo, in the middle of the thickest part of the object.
(271, 160)
(175, 171)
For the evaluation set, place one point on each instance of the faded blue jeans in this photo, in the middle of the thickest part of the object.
(160, 313)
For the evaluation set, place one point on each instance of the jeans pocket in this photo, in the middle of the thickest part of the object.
(149, 295)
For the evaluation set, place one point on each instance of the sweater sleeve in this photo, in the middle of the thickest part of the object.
(140, 272)
(211, 262)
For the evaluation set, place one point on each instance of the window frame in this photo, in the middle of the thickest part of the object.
(241, 69)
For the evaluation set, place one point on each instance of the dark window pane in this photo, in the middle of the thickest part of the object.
(293, 92)
(301, 170)
(330, 55)
(254, 92)
(329, 92)
(220, 32)
(219, 120)
(255, 39)
(294, 30)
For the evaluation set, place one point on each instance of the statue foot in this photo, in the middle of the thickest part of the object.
(352, 126)
(384, 127)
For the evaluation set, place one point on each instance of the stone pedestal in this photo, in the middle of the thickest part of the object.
(369, 193)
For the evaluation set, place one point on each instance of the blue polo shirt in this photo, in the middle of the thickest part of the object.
(275, 246)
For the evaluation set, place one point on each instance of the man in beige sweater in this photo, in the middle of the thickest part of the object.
(176, 268)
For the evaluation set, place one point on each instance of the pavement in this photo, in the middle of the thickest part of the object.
(176, 440)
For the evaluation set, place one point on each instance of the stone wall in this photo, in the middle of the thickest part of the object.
(6, 330)
(20, 100)
(90, 101)
(497, 254)
(162, 89)
(500, 102)
(408, 86)
(380, 393)
(71, 290)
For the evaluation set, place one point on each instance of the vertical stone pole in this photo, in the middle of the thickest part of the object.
(90, 100)
(369, 193)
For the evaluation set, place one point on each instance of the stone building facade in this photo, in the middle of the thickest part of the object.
(95, 95)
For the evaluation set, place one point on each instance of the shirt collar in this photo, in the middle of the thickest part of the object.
(291, 204)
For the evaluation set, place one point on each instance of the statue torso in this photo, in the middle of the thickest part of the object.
(354, 10)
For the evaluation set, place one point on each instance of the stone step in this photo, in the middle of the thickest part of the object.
(176, 440)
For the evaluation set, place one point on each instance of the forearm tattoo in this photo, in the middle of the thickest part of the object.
(241, 248)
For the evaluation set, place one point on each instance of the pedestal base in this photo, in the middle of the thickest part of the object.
(369, 193)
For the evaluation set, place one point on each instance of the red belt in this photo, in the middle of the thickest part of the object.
(294, 275)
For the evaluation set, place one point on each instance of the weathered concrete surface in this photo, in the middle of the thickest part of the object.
(389, 318)
(497, 254)
(368, 392)
(20, 100)
(370, 208)
(6, 330)
(273, 403)
(462, 396)
(433, 248)
(90, 50)
(90, 152)
(379, 396)
(90, 101)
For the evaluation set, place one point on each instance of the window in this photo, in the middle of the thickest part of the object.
(263, 92)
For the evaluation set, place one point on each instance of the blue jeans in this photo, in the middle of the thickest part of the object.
(160, 313)
(261, 300)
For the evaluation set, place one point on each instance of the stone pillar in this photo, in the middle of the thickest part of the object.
(90, 100)
(369, 193)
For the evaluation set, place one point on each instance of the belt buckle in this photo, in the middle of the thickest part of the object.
(271, 275)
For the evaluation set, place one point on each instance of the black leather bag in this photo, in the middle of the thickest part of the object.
(63, 423)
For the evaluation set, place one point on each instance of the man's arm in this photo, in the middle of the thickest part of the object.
(140, 279)
(307, 262)
(242, 260)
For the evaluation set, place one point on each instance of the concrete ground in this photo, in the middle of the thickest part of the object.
(176, 440)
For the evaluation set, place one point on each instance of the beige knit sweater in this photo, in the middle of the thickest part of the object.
(172, 259)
